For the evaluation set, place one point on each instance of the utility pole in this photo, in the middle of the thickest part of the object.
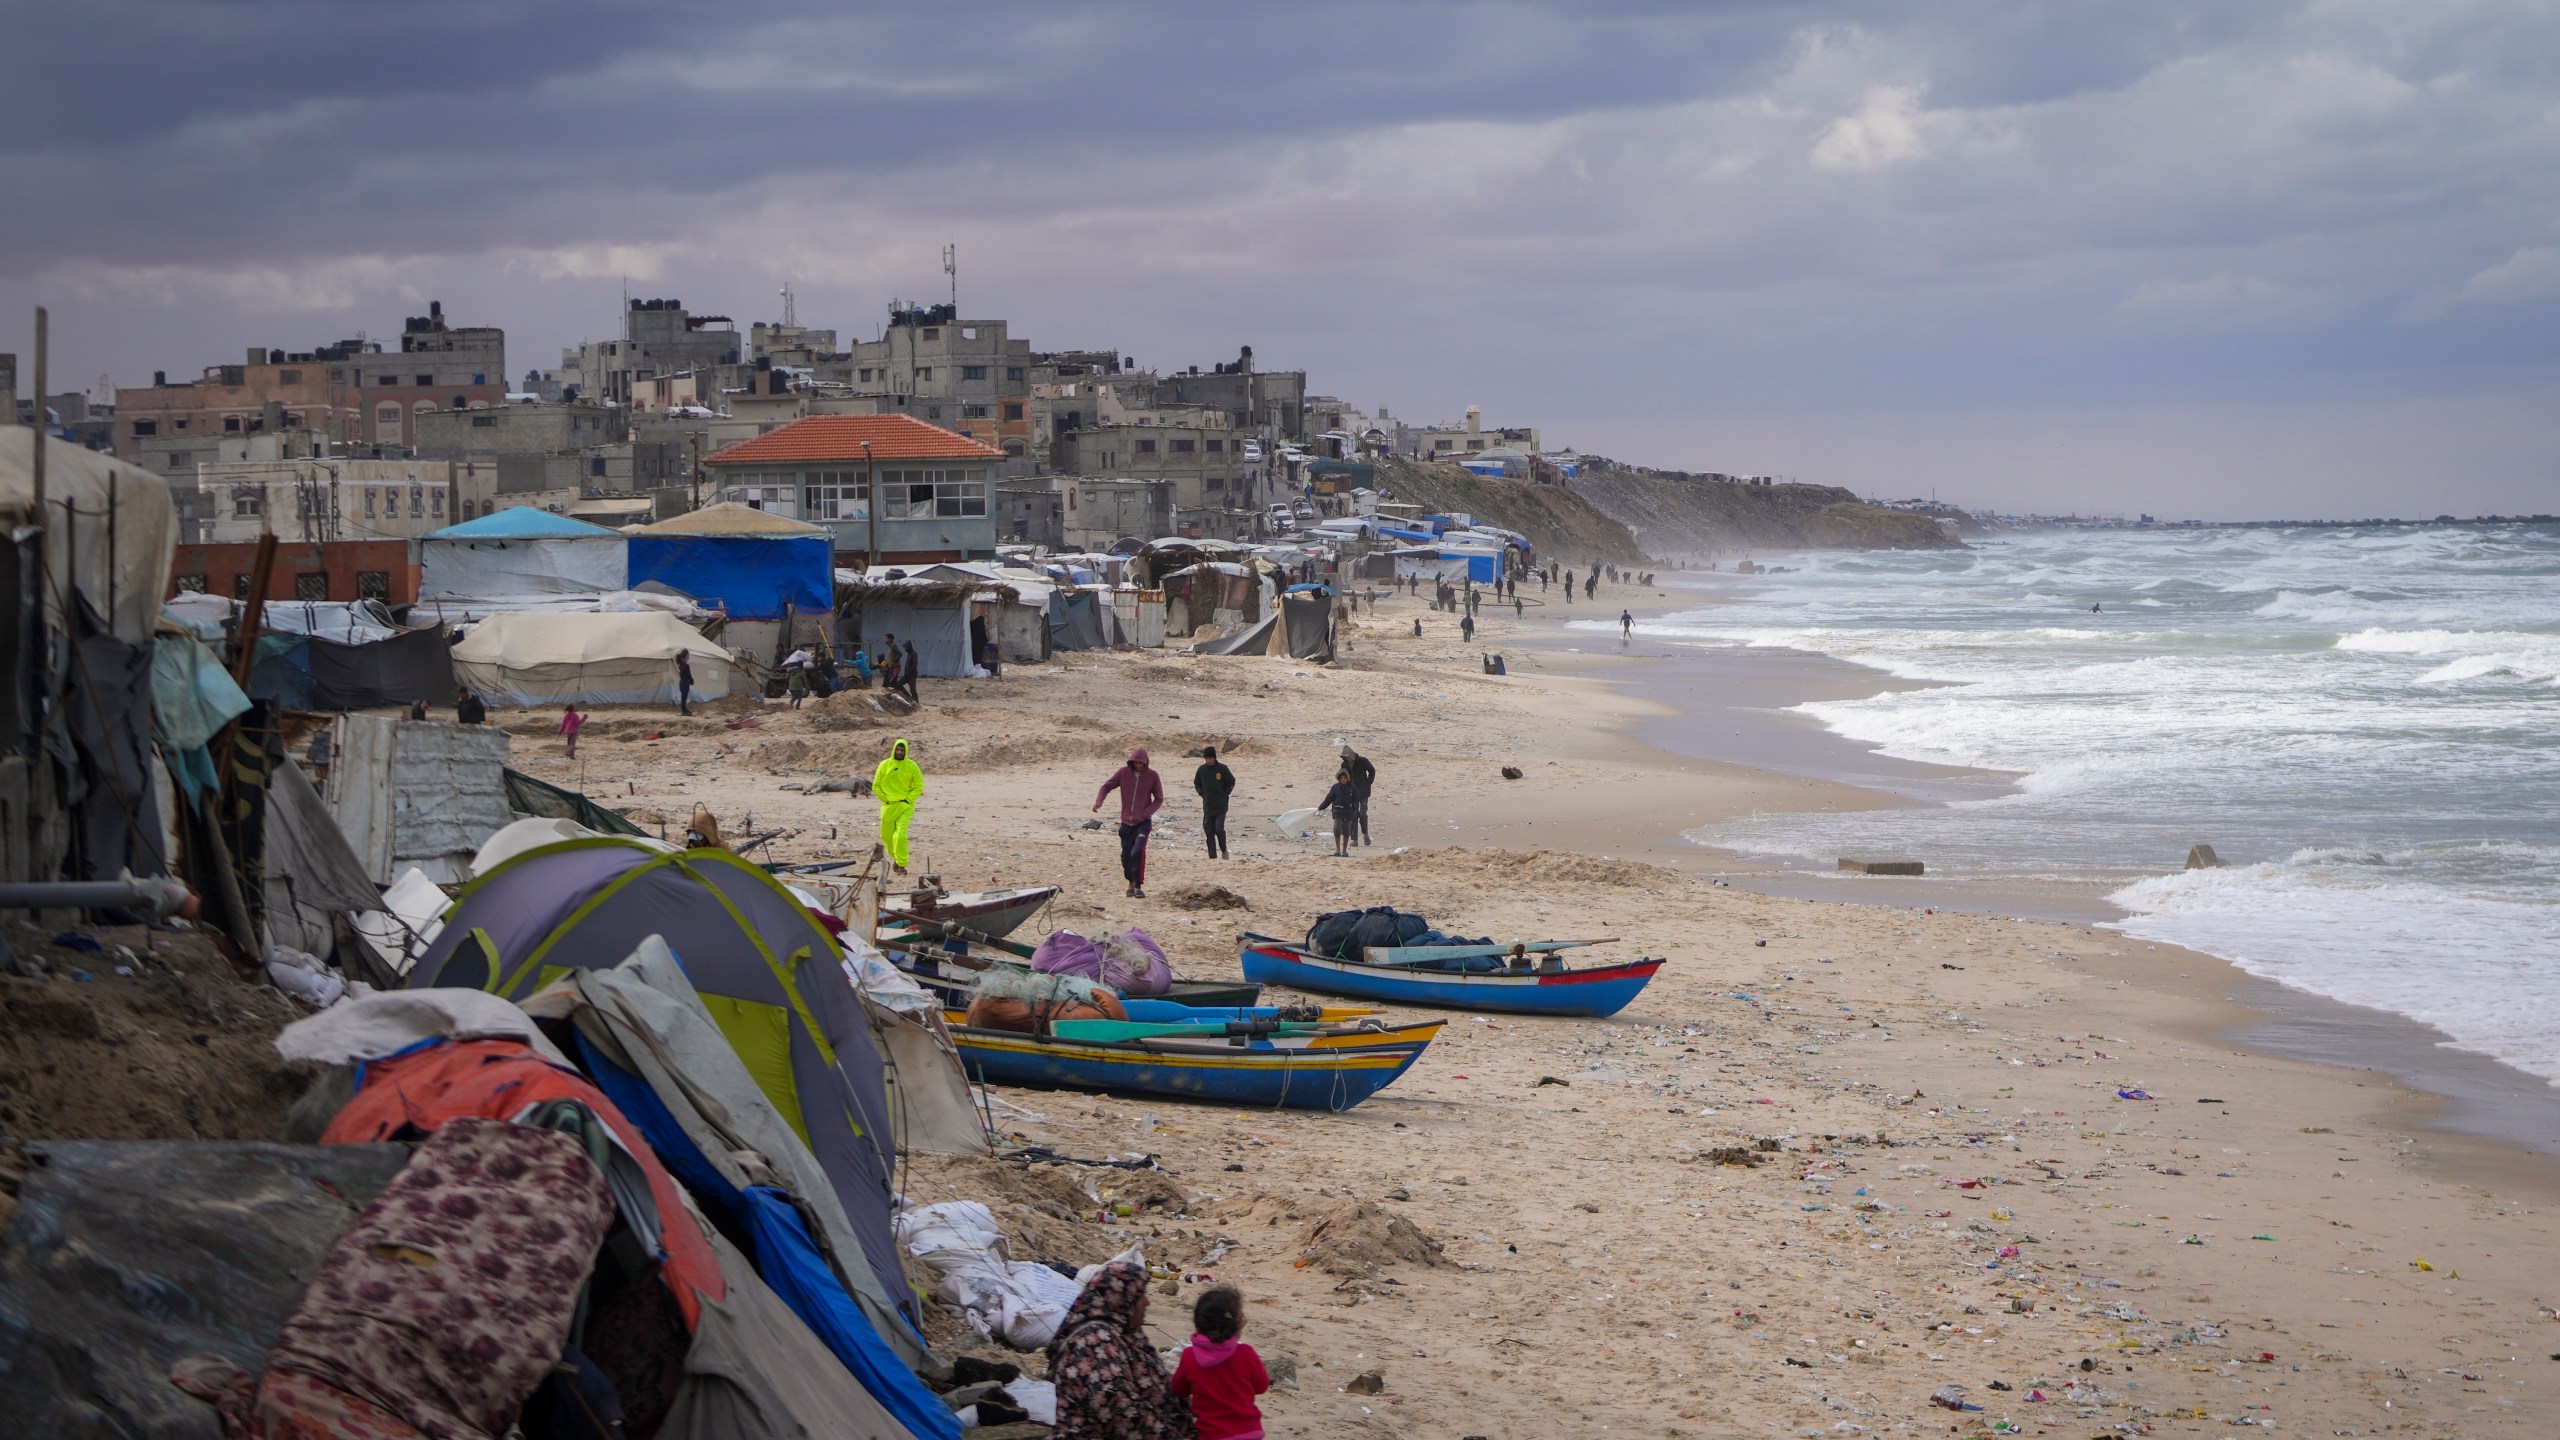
(951, 267)
(870, 509)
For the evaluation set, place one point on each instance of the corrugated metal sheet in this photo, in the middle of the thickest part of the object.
(449, 794)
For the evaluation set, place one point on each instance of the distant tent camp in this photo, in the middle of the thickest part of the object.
(520, 551)
(602, 658)
(751, 563)
(768, 972)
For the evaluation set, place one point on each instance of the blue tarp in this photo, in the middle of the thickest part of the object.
(785, 1258)
(1419, 537)
(753, 577)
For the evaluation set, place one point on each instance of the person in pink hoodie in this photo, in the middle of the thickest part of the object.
(1220, 1374)
(1141, 796)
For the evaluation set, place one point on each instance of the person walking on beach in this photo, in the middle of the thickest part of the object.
(888, 662)
(1364, 779)
(1626, 626)
(1467, 629)
(684, 684)
(1141, 796)
(1343, 800)
(907, 668)
(469, 710)
(1590, 584)
(571, 722)
(1215, 782)
(897, 783)
(1517, 612)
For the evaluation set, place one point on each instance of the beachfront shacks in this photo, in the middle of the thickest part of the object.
(587, 658)
(521, 553)
(754, 566)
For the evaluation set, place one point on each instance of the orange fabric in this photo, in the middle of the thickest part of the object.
(499, 1080)
(998, 1012)
(840, 437)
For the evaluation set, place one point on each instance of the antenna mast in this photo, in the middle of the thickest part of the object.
(790, 308)
(951, 267)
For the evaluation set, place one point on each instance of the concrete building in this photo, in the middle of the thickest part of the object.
(1213, 484)
(932, 485)
(353, 392)
(327, 570)
(1443, 442)
(1271, 404)
(659, 337)
(321, 501)
(966, 376)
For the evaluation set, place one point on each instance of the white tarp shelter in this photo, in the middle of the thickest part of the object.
(422, 793)
(521, 551)
(534, 660)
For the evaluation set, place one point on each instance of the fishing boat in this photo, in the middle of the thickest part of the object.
(991, 913)
(1247, 1034)
(949, 965)
(1206, 1069)
(1395, 976)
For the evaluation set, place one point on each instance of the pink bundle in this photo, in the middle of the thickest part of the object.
(1129, 961)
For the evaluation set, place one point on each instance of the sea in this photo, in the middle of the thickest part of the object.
(2363, 722)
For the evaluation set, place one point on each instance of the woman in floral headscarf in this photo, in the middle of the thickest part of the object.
(1110, 1384)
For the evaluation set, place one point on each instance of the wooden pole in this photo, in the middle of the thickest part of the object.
(262, 569)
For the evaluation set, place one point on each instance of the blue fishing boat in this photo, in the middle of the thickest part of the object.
(1182, 1068)
(1592, 990)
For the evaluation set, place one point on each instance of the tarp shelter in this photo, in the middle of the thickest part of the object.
(1016, 609)
(410, 665)
(1306, 619)
(1218, 592)
(767, 971)
(75, 660)
(1078, 620)
(421, 793)
(520, 551)
(624, 658)
(932, 614)
(541, 799)
(750, 563)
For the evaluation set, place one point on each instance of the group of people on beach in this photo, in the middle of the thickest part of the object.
(1111, 1386)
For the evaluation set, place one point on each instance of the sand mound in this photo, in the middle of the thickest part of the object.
(1550, 867)
(1358, 1238)
(1049, 1212)
(1205, 897)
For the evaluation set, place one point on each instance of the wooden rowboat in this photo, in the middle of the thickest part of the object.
(1593, 990)
(992, 913)
(1214, 1071)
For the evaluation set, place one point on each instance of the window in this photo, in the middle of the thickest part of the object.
(386, 422)
(191, 584)
(933, 412)
(368, 502)
(931, 334)
(145, 427)
(426, 380)
(1013, 408)
(417, 502)
(479, 379)
(181, 459)
(439, 502)
(311, 585)
(925, 374)
(373, 584)
(1146, 447)
(240, 586)
(1185, 447)
(246, 502)
(490, 422)
(1216, 446)
(461, 402)
(973, 372)
(1013, 372)
(386, 380)
(776, 498)
(288, 377)
(865, 374)
(179, 424)
(595, 465)
(231, 424)
(975, 412)
(835, 495)
(1013, 447)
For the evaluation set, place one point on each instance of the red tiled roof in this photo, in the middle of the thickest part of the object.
(840, 437)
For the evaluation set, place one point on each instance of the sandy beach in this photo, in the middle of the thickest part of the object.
(1837, 1160)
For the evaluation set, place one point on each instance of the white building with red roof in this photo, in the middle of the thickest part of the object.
(890, 488)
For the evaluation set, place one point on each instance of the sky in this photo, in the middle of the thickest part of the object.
(2187, 257)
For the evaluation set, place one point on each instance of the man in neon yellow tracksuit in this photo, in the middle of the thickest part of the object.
(897, 784)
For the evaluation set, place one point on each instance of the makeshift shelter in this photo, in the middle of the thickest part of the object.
(75, 661)
(1020, 627)
(766, 970)
(752, 565)
(410, 665)
(542, 799)
(1078, 620)
(1306, 622)
(930, 611)
(521, 551)
(421, 793)
(1215, 592)
(626, 658)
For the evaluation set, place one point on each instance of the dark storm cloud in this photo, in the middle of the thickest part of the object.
(1653, 227)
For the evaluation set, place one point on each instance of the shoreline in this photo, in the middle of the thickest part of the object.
(2462, 1092)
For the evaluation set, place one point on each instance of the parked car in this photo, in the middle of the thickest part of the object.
(1252, 449)
(1304, 508)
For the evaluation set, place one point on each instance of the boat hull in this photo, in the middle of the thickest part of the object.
(1328, 1080)
(1594, 991)
(994, 914)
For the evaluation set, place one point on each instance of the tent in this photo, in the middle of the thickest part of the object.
(767, 971)
(1306, 621)
(623, 658)
(930, 611)
(751, 563)
(520, 551)
(1078, 620)
(410, 665)
(540, 798)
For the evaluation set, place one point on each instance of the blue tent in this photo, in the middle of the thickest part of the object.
(752, 563)
(518, 522)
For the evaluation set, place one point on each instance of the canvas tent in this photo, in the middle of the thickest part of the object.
(521, 552)
(769, 974)
(620, 658)
(1306, 624)
(930, 612)
(750, 563)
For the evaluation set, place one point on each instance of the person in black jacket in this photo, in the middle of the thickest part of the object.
(1343, 800)
(907, 669)
(1364, 778)
(1215, 782)
(468, 709)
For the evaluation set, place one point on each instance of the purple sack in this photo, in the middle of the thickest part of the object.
(1130, 962)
